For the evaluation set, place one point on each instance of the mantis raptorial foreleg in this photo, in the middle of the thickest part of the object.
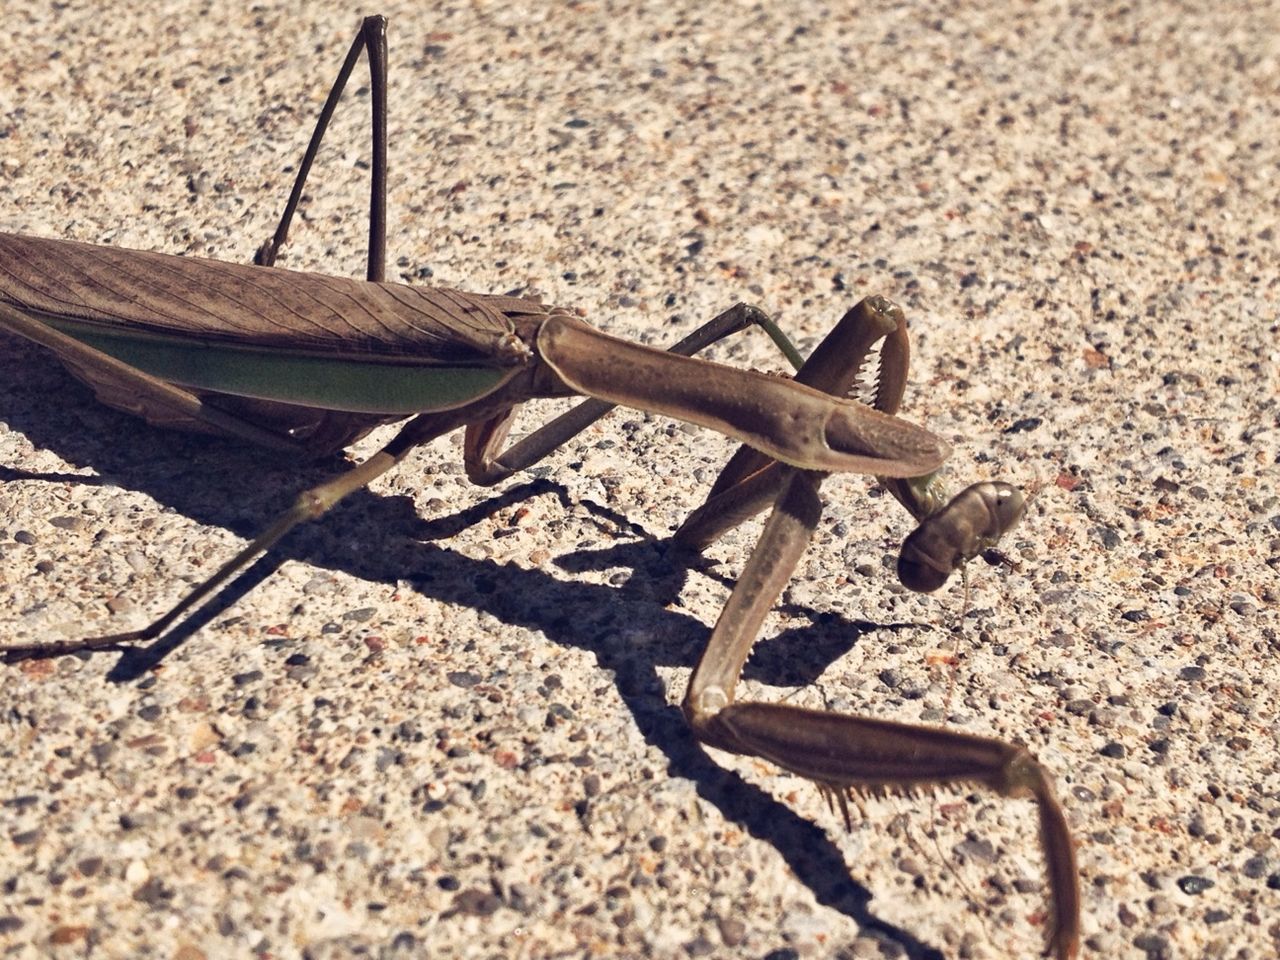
(950, 532)
(847, 755)
(750, 481)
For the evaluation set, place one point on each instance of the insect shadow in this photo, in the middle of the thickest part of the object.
(383, 538)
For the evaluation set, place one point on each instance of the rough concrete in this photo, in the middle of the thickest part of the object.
(445, 724)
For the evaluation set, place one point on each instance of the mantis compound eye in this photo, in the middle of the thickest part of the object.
(919, 565)
(1006, 503)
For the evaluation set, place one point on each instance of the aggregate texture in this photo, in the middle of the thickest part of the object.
(444, 721)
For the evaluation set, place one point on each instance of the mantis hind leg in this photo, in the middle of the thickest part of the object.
(311, 504)
(373, 39)
(486, 465)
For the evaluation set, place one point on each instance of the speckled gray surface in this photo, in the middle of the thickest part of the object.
(445, 726)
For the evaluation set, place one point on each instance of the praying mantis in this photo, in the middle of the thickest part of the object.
(306, 364)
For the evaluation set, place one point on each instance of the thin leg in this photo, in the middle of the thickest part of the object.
(846, 755)
(373, 38)
(310, 505)
(486, 467)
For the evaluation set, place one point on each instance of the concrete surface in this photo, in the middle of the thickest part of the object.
(445, 725)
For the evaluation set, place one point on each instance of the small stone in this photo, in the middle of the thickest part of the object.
(981, 850)
(203, 735)
(1025, 425)
(732, 931)
(557, 712)
(1255, 868)
(102, 752)
(1192, 884)
(60, 936)
(351, 759)
(404, 942)
(89, 866)
(699, 947)
(153, 892)
(388, 758)
(1155, 944)
(477, 902)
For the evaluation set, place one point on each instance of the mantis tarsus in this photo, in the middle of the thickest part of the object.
(308, 363)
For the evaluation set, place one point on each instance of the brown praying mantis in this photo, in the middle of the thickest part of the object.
(306, 364)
